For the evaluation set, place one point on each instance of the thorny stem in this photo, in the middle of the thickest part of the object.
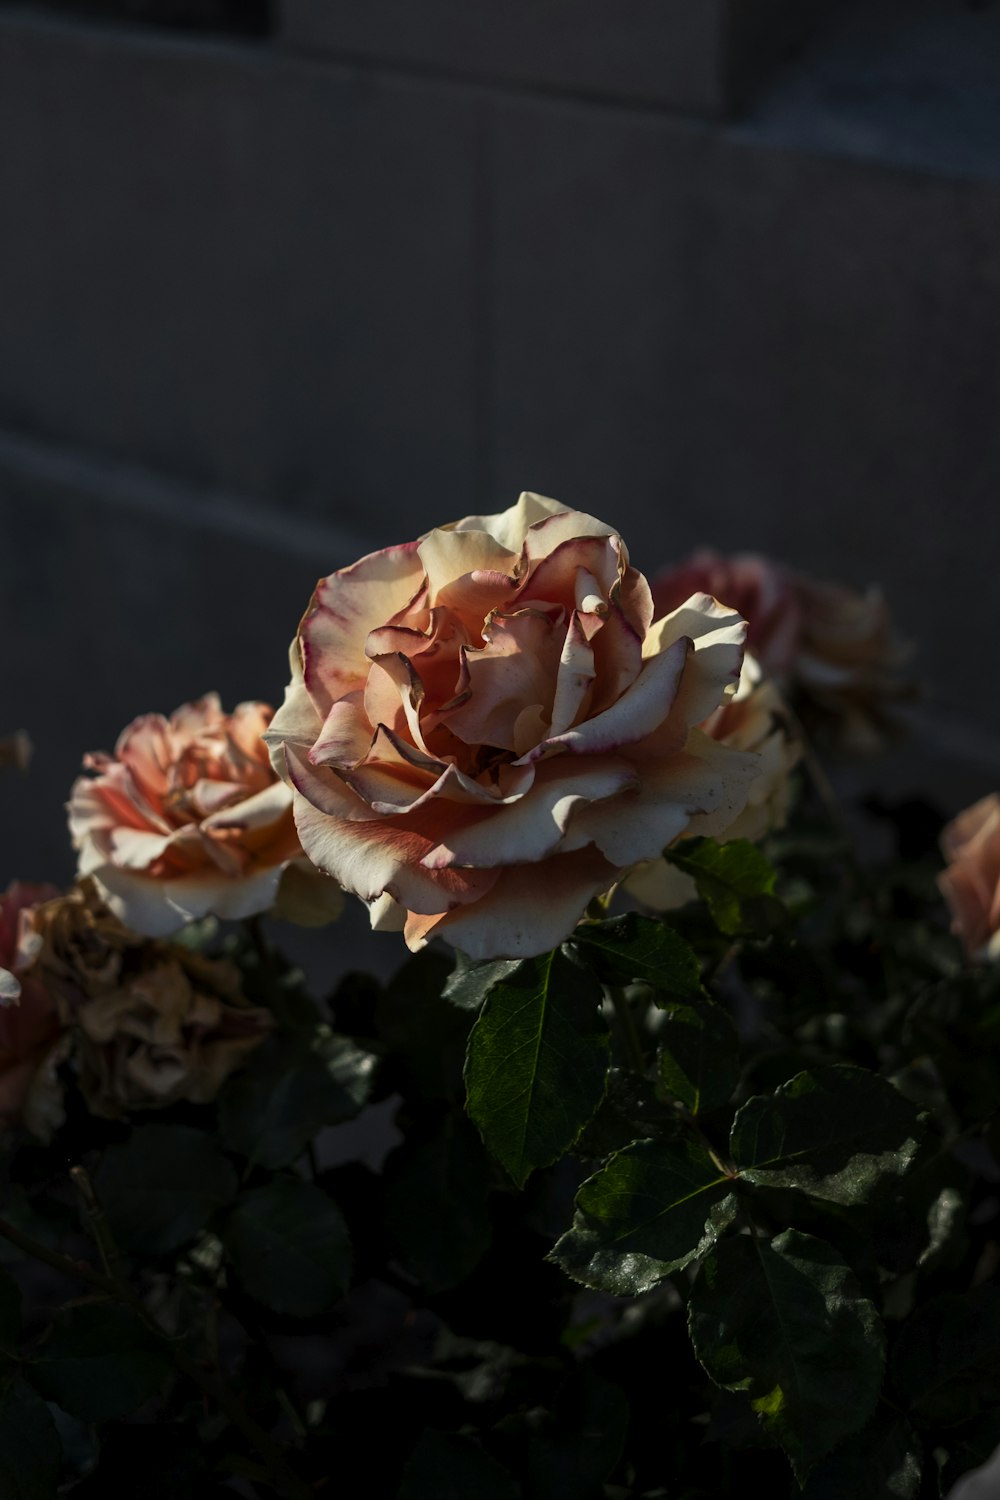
(96, 1223)
(287, 1483)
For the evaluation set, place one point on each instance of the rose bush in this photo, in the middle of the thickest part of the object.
(755, 720)
(30, 1030)
(186, 819)
(485, 728)
(834, 650)
(971, 883)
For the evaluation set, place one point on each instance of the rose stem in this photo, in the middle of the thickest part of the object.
(219, 1392)
(626, 1020)
(96, 1223)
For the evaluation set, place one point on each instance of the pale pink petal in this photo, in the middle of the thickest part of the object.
(193, 718)
(372, 857)
(699, 790)
(533, 827)
(617, 660)
(529, 910)
(510, 527)
(137, 848)
(297, 721)
(718, 634)
(516, 668)
(146, 747)
(263, 809)
(542, 539)
(639, 711)
(346, 736)
(466, 570)
(574, 679)
(344, 609)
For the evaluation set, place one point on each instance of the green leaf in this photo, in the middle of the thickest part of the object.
(293, 1087)
(10, 1312)
(536, 1064)
(289, 1246)
(448, 1466)
(785, 1321)
(734, 879)
(884, 1462)
(634, 948)
(837, 1133)
(946, 1363)
(100, 1362)
(571, 1455)
(30, 1451)
(162, 1185)
(435, 1203)
(427, 1039)
(699, 1054)
(471, 982)
(650, 1211)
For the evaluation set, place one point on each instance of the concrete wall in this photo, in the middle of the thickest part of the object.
(265, 306)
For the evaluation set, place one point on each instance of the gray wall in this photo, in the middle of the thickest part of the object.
(265, 305)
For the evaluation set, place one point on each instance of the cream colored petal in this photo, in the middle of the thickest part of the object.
(542, 539)
(453, 559)
(510, 527)
(530, 909)
(533, 827)
(297, 721)
(345, 608)
(638, 712)
(382, 855)
(516, 669)
(386, 914)
(346, 736)
(261, 810)
(660, 886)
(705, 787)
(574, 678)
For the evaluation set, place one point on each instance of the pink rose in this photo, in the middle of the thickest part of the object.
(485, 729)
(757, 587)
(753, 720)
(832, 649)
(971, 883)
(30, 1029)
(186, 818)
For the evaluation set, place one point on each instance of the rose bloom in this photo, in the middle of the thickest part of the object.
(971, 883)
(154, 1022)
(187, 818)
(485, 729)
(754, 720)
(833, 650)
(31, 1036)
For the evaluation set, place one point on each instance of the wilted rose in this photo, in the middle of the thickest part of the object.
(484, 728)
(31, 1044)
(154, 1022)
(832, 650)
(971, 883)
(187, 818)
(754, 720)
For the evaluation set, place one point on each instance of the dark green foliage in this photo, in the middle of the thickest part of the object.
(837, 1133)
(736, 880)
(537, 1060)
(100, 1361)
(448, 1466)
(650, 1211)
(289, 1247)
(883, 1462)
(30, 1451)
(637, 948)
(163, 1185)
(436, 1191)
(699, 1054)
(784, 1321)
(293, 1086)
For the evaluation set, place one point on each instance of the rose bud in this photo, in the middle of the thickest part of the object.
(188, 819)
(485, 728)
